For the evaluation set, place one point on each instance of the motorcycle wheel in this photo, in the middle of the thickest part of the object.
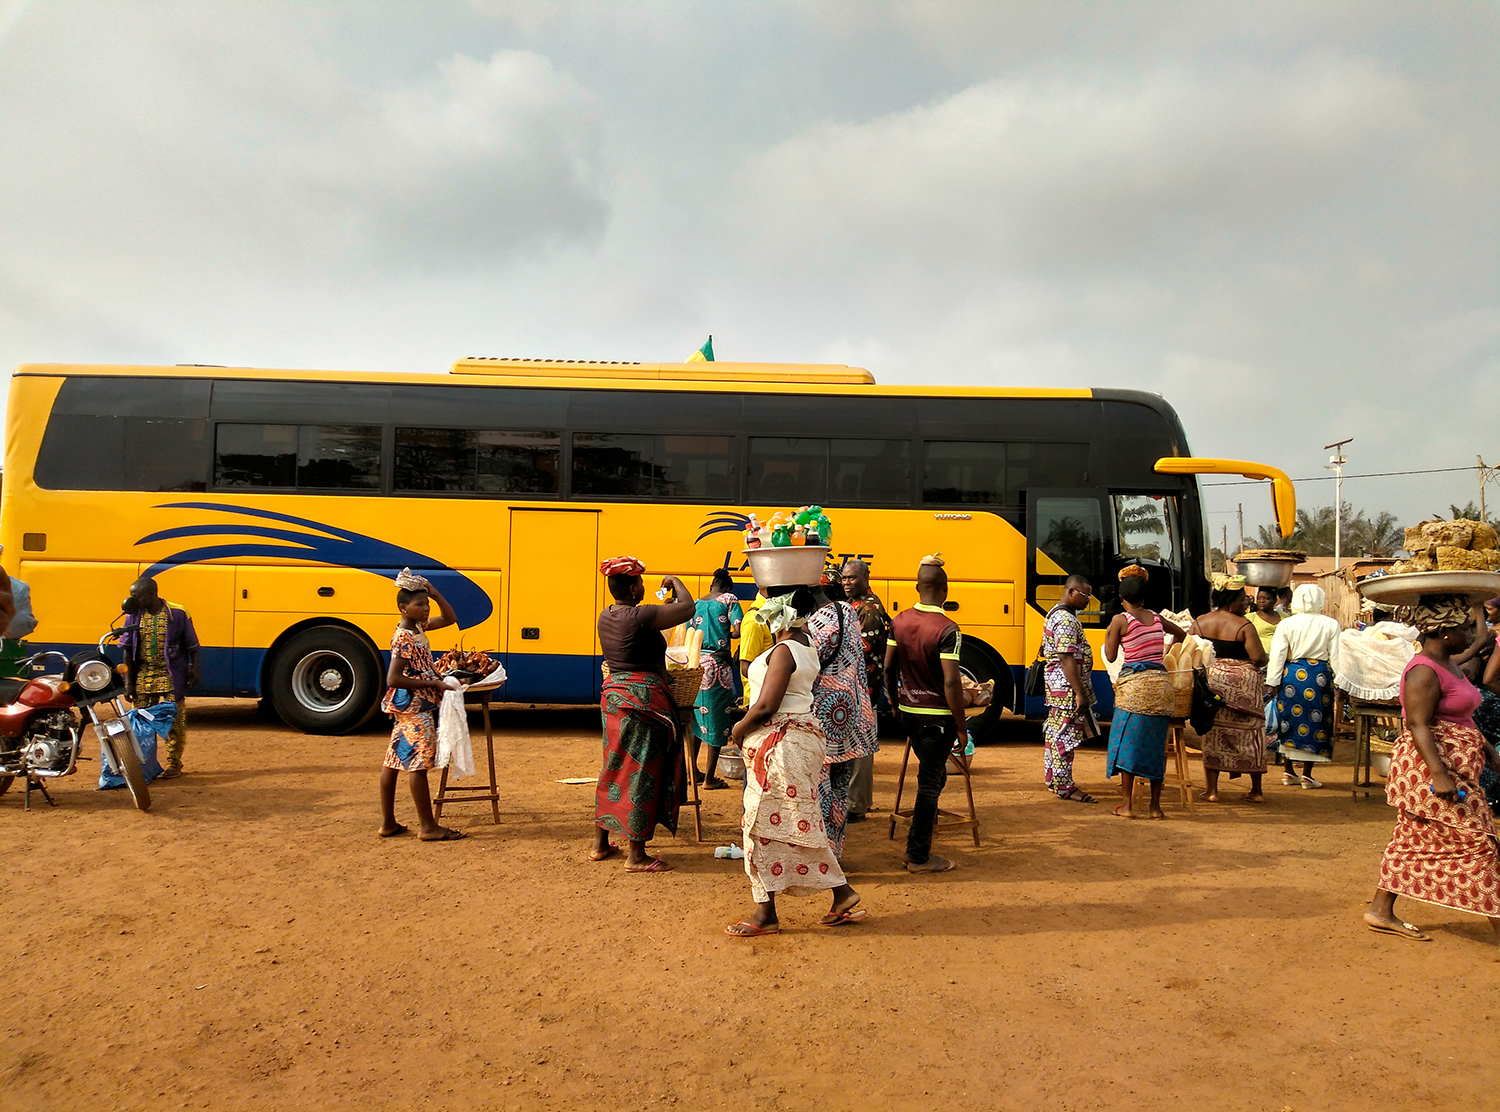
(5, 783)
(135, 776)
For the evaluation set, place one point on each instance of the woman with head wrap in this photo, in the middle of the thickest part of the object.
(841, 700)
(1304, 660)
(642, 780)
(1138, 737)
(1443, 850)
(786, 842)
(1237, 742)
(719, 617)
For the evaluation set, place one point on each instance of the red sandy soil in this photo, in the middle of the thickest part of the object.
(250, 943)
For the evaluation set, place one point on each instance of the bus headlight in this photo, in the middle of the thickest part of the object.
(94, 675)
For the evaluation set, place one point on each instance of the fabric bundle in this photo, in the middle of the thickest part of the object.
(454, 751)
(1371, 660)
(622, 565)
(409, 580)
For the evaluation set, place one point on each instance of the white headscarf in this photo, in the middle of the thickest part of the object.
(1308, 598)
(778, 615)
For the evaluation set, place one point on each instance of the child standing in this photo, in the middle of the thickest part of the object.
(412, 702)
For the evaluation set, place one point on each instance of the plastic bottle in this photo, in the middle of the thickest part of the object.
(752, 538)
(799, 535)
(825, 530)
(781, 536)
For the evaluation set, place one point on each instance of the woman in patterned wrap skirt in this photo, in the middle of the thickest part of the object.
(1443, 850)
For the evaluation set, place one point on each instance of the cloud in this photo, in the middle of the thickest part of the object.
(183, 138)
(1058, 175)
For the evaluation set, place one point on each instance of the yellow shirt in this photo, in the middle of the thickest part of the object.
(754, 640)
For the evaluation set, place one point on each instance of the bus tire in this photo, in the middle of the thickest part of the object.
(325, 680)
(980, 663)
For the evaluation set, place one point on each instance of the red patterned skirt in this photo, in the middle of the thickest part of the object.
(1442, 853)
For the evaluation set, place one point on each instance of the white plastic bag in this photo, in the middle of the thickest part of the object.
(454, 751)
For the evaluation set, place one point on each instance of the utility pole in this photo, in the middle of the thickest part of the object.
(1485, 475)
(1224, 542)
(1336, 465)
(1242, 526)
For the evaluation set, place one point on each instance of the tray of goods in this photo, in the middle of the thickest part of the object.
(478, 671)
(790, 549)
(1268, 567)
(1457, 557)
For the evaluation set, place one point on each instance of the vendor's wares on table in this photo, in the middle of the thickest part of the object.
(1371, 660)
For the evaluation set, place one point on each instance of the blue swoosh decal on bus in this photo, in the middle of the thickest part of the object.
(335, 546)
(723, 521)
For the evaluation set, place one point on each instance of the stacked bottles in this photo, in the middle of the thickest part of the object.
(808, 525)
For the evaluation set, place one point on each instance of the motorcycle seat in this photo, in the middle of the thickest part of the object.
(10, 690)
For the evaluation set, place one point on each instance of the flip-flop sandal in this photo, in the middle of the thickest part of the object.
(655, 865)
(1120, 816)
(1078, 795)
(746, 929)
(839, 918)
(1405, 930)
(446, 836)
(715, 784)
(400, 830)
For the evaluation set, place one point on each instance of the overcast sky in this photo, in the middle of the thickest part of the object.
(1286, 208)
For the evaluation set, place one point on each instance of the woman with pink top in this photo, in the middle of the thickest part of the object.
(1443, 850)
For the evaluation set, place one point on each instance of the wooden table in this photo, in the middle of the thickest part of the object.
(1366, 715)
(472, 793)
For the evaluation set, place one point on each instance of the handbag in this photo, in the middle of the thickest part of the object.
(1035, 685)
(1206, 703)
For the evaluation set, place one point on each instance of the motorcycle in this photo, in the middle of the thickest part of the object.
(41, 726)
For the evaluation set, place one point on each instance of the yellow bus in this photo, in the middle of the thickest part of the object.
(278, 505)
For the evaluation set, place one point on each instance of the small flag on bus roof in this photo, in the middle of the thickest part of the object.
(705, 354)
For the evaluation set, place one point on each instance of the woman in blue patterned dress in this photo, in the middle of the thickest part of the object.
(719, 617)
(841, 700)
(1304, 660)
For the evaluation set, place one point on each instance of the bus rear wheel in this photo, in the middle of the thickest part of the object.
(980, 663)
(325, 680)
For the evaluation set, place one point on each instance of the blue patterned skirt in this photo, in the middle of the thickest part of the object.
(1305, 705)
(1137, 742)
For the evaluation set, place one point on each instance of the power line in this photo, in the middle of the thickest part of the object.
(1330, 478)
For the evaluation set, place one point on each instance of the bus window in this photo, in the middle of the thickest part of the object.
(255, 456)
(1029, 466)
(963, 471)
(518, 462)
(693, 467)
(612, 464)
(310, 457)
(1146, 525)
(486, 461)
(787, 471)
(1070, 535)
(338, 457)
(861, 471)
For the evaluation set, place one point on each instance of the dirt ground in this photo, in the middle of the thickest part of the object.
(250, 942)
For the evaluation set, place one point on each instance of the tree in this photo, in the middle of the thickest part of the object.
(1358, 535)
(1470, 511)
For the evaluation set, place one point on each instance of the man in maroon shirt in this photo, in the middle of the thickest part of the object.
(923, 681)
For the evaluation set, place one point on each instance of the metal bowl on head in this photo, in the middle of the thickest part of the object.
(1407, 590)
(784, 567)
(1267, 567)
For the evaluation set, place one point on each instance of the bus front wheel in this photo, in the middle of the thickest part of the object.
(325, 680)
(980, 663)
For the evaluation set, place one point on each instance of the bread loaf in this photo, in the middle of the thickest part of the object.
(1463, 559)
(1420, 562)
(1448, 534)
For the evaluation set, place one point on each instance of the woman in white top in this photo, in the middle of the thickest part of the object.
(1304, 660)
(786, 842)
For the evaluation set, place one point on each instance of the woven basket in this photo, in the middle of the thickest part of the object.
(1182, 684)
(1151, 692)
(684, 683)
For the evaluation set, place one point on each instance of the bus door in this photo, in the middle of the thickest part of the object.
(550, 624)
(1065, 535)
(1147, 532)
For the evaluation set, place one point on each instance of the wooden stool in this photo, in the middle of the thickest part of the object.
(946, 820)
(1366, 715)
(472, 793)
(1177, 748)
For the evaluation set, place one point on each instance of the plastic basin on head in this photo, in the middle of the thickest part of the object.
(780, 567)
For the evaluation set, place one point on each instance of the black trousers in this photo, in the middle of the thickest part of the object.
(932, 737)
